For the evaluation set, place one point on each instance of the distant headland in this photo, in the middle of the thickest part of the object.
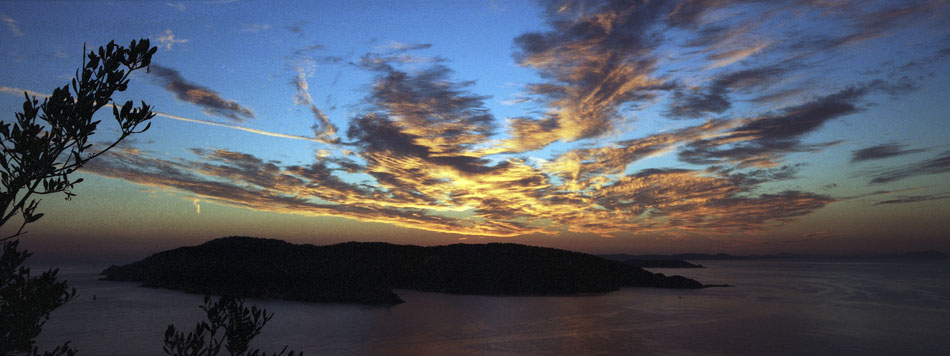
(367, 273)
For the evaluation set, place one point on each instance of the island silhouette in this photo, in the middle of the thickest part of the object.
(368, 272)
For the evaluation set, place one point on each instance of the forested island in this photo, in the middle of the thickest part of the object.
(367, 272)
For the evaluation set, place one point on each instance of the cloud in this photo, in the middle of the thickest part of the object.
(913, 199)
(507, 200)
(596, 59)
(404, 47)
(585, 169)
(763, 141)
(209, 100)
(881, 151)
(866, 22)
(323, 129)
(422, 140)
(11, 25)
(714, 99)
(936, 165)
(296, 27)
(178, 6)
(168, 39)
(423, 151)
(255, 27)
(436, 112)
(288, 190)
(725, 58)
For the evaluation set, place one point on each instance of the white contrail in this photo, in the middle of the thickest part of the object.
(17, 91)
(197, 205)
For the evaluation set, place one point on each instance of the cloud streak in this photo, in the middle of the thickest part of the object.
(936, 165)
(882, 151)
(209, 100)
(18, 92)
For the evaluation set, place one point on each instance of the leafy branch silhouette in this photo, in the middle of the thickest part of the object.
(229, 324)
(45, 144)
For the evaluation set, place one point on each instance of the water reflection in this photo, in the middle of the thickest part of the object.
(777, 307)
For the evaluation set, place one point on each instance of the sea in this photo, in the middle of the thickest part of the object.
(773, 307)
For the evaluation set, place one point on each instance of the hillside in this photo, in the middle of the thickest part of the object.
(367, 273)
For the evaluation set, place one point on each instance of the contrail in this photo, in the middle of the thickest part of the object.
(17, 91)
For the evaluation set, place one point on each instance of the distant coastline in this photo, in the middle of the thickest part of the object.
(684, 257)
(367, 273)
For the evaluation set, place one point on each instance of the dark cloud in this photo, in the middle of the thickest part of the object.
(882, 151)
(867, 23)
(688, 13)
(694, 104)
(714, 99)
(913, 199)
(765, 140)
(936, 165)
(207, 99)
(404, 47)
(376, 133)
(297, 27)
(308, 49)
(438, 113)
(596, 61)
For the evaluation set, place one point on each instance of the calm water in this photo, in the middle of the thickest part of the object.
(775, 308)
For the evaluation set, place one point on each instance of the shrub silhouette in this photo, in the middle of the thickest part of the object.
(45, 144)
(26, 301)
(229, 324)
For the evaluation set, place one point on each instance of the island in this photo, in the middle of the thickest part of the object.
(368, 272)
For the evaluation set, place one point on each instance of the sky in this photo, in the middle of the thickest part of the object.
(810, 126)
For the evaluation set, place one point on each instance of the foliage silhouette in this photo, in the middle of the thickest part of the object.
(49, 141)
(26, 301)
(229, 324)
(45, 144)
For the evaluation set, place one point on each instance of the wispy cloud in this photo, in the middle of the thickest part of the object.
(168, 39)
(715, 98)
(255, 27)
(323, 129)
(881, 151)
(403, 47)
(11, 25)
(597, 59)
(177, 6)
(765, 140)
(913, 199)
(296, 27)
(207, 99)
(936, 165)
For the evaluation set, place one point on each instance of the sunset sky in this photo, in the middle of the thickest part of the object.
(815, 126)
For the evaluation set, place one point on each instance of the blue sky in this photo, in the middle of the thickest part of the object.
(815, 126)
